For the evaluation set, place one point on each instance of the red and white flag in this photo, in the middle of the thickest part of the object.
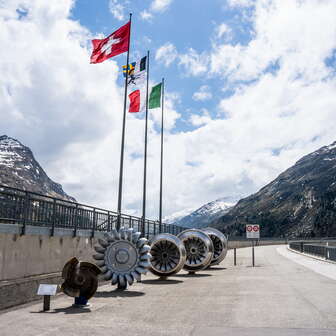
(115, 44)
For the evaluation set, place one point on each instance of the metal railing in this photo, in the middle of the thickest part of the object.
(322, 250)
(29, 208)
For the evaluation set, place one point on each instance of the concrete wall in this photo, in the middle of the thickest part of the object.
(25, 256)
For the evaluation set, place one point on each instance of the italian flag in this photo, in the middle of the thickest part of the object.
(137, 101)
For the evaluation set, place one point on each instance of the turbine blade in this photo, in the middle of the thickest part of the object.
(145, 249)
(141, 242)
(108, 275)
(99, 249)
(114, 278)
(129, 279)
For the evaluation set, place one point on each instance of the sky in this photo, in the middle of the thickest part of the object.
(250, 89)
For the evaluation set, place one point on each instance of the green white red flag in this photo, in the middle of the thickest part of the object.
(137, 101)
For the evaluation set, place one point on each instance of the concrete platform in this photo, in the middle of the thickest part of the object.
(278, 297)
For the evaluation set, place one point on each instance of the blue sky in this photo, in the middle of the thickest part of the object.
(250, 89)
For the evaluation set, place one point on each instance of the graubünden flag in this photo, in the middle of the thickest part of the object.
(115, 44)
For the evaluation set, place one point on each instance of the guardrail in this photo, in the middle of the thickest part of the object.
(29, 208)
(319, 250)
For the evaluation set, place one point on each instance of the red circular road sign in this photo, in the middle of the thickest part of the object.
(249, 228)
(255, 228)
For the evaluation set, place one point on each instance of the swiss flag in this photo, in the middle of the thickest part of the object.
(115, 44)
(134, 101)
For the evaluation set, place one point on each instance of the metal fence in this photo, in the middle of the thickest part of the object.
(30, 208)
(322, 250)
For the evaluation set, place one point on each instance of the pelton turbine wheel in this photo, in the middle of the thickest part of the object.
(80, 278)
(168, 255)
(220, 244)
(123, 256)
(199, 249)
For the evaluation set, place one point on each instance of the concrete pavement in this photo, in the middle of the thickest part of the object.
(278, 297)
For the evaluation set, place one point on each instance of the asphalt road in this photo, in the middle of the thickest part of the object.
(280, 296)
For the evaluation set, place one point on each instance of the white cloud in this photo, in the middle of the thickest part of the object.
(241, 3)
(146, 15)
(166, 54)
(203, 93)
(201, 120)
(156, 7)
(117, 9)
(160, 5)
(195, 64)
(223, 30)
(287, 32)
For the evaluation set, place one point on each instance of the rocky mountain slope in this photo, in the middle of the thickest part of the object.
(205, 214)
(300, 202)
(19, 169)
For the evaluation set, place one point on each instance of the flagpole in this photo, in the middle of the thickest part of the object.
(145, 155)
(123, 132)
(161, 167)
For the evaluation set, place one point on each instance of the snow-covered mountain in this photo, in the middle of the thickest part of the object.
(175, 217)
(19, 169)
(206, 214)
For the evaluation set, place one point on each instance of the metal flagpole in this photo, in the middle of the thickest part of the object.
(145, 155)
(123, 133)
(162, 106)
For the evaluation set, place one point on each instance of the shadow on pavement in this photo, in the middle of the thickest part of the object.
(196, 275)
(161, 282)
(67, 310)
(216, 268)
(118, 293)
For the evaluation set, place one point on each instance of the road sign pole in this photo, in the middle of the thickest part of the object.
(252, 252)
(235, 256)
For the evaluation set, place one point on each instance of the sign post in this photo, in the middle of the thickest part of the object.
(46, 290)
(253, 232)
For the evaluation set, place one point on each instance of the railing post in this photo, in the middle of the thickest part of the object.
(76, 221)
(53, 219)
(94, 223)
(25, 213)
(147, 229)
(109, 222)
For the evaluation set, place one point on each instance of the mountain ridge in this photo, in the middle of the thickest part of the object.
(19, 169)
(300, 202)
